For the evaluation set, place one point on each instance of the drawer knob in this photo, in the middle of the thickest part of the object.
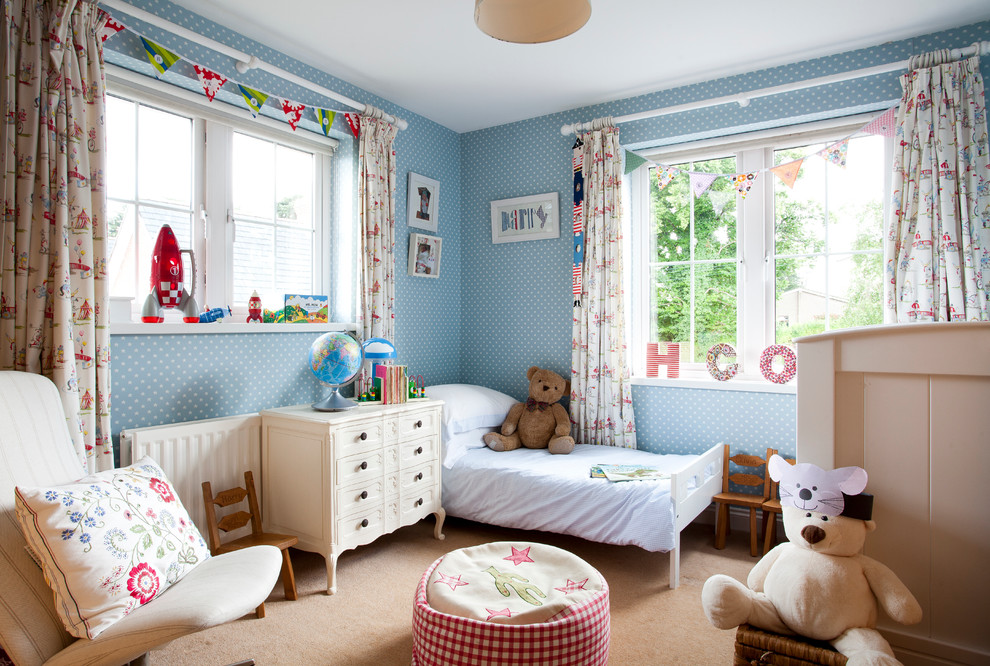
(364, 523)
(364, 465)
(419, 424)
(364, 436)
(419, 502)
(364, 494)
(419, 477)
(419, 449)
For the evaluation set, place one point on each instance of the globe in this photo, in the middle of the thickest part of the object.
(335, 359)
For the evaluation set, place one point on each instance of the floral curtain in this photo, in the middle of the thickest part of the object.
(376, 156)
(938, 238)
(53, 286)
(601, 397)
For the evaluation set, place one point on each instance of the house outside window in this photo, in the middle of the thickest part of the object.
(780, 263)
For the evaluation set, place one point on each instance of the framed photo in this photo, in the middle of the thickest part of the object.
(423, 200)
(424, 255)
(525, 218)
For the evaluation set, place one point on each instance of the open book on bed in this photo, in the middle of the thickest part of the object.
(627, 473)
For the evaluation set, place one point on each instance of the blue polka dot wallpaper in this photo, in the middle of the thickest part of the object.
(495, 309)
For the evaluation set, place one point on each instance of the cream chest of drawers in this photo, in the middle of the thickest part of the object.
(338, 480)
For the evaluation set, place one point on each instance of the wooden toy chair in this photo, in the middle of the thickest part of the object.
(751, 501)
(771, 507)
(233, 521)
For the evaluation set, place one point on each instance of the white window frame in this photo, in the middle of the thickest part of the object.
(754, 242)
(213, 127)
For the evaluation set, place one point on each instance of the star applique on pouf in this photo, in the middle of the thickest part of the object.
(539, 604)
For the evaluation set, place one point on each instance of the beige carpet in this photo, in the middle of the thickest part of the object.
(368, 620)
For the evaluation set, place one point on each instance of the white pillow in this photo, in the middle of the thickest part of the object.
(459, 444)
(109, 542)
(467, 407)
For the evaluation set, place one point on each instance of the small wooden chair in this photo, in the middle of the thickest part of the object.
(233, 521)
(751, 501)
(771, 507)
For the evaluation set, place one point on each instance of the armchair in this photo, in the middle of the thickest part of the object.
(35, 450)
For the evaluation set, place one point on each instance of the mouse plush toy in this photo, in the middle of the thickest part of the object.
(818, 584)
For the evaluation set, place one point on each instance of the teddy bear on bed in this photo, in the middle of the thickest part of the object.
(818, 584)
(539, 423)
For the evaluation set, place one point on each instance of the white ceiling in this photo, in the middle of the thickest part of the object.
(433, 60)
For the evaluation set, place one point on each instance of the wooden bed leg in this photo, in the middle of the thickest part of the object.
(675, 562)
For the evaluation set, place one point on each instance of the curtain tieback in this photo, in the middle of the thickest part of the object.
(532, 405)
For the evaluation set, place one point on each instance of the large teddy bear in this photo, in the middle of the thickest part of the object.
(818, 584)
(539, 423)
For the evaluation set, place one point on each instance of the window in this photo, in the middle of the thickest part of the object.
(252, 204)
(752, 271)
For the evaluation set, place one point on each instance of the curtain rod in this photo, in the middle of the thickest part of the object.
(743, 99)
(244, 60)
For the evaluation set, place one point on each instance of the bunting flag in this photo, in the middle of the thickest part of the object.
(701, 182)
(665, 174)
(788, 172)
(255, 99)
(884, 124)
(836, 153)
(577, 161)
(325, 118)
(210, 80)
(159, 56)
(111, 28)
(293, 112)
(633, 162)
(743, 182)
(720, 199)
(354, 120)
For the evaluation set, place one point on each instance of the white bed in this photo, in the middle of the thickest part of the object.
(535, 490)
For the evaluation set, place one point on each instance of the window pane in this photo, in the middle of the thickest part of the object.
(164, 157)
(253, 177)
(294, 187)
(859, 287)
(715, 213)
(294, 250)
(672, 289)
(254, 264)
(715, 307)
(799, 226)
(855, 197)
(120, 147)
(801, 300)
(122, 248)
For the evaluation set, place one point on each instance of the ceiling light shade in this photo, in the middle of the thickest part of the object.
(531, 21)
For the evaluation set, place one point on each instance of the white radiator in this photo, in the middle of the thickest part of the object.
(215, 450)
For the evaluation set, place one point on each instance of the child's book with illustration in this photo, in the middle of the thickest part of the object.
(627, 473)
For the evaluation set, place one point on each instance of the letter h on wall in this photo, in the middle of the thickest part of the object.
(671, 359)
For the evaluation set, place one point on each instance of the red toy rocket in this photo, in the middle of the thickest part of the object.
(167, 290)
(254, 309)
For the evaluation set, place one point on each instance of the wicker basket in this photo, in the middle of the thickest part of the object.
(755, 646)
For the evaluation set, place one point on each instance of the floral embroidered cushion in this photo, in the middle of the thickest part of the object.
(109, 542)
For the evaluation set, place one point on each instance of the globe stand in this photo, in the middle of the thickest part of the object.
(334, 403)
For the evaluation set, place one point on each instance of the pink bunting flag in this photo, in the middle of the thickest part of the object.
(883, 124)
(788, 172)
(292, 110)
(354, 120)
(836, 153)
(111, 28)
(701, 182)
(743, 182)
(210, 80)
(665, 174)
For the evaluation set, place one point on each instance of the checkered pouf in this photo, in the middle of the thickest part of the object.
(511, 603)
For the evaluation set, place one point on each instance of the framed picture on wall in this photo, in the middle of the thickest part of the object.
(424, 255)
(525, 218)
(423, 202)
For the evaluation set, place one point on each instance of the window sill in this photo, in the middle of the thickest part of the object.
(181, 328)
(752, 384)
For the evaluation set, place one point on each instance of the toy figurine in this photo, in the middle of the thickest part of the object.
(254, 309)
(167, 289)
(215, 314)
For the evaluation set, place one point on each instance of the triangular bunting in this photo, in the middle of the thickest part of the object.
(743, 181)
(719, 199)
(159, 56)
(210, 80)
(293, 112)
(111, 28)
(788, 172)
(255, 99)
(701, 182)
(883, 124)
(325, 118)
(633, 162)
(354, 120)
(665, 174)
(836, 153)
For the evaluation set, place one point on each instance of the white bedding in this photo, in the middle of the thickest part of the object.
(535, 490)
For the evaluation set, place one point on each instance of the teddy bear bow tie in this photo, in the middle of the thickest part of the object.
(532, 405)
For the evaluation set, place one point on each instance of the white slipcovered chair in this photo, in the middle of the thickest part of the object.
(35, 450)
